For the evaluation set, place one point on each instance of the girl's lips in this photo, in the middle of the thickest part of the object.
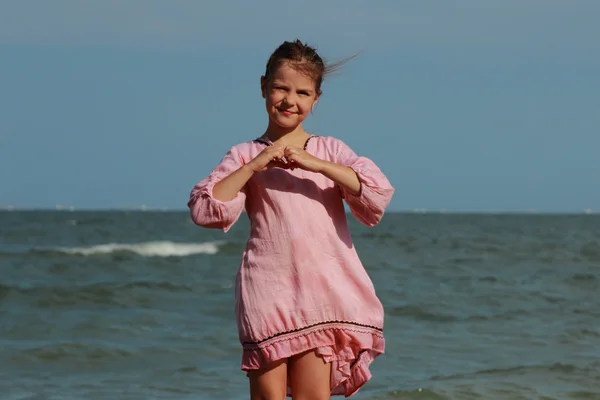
(286, 113)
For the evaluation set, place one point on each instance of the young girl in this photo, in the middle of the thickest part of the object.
(308, 318)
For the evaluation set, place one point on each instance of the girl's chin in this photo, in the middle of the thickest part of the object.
(286, 122)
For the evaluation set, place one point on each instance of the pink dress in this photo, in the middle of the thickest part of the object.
(301, 285)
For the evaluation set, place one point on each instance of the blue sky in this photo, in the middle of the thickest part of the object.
(465, 105)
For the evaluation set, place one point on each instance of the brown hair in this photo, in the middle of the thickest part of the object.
(302, 58)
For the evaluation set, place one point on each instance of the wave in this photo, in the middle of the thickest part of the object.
(419, 313)
(423, 313)
(145, 249)
(408, 394)
(60, 351)
(103, 293)
(521, 370)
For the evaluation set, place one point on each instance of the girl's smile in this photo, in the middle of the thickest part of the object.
(286, 112)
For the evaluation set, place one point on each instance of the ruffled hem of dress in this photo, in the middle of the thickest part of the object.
(350, 352)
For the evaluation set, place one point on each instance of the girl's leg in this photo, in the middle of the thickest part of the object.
(269, 383)
(310, 377)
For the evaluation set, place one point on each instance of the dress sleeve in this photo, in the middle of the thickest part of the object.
(209, 212)
(368, 206)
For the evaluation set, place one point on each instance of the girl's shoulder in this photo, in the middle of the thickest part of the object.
(333, 144)
(248, 147)
(332, 140)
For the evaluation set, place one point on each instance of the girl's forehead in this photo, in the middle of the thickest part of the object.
(290, 74)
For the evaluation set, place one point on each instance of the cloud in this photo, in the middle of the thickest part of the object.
(384, 23)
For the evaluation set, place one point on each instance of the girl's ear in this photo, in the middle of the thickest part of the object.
(314, 103)
(263, 89)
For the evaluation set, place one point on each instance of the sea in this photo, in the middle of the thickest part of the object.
(140, 305)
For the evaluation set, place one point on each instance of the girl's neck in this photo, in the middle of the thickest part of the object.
(277, 134)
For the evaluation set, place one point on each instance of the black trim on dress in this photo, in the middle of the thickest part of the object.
(258, 342)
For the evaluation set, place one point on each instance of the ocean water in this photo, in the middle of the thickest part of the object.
(139, 305)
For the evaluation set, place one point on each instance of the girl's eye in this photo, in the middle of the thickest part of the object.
(304, 93)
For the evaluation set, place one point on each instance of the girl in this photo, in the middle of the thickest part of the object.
(308, 318)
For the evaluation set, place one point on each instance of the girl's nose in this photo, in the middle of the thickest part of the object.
(289, 100)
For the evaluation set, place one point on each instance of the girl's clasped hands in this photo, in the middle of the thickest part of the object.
(285, 157)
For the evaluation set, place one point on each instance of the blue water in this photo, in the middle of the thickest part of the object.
(139, 305)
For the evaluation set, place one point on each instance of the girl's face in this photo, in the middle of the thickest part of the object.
(290, 96)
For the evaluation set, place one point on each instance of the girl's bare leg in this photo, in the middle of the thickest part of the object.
(310, 377)
(269, 383)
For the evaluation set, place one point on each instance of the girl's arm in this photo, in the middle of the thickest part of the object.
(210, 211)
(362, 184)
(344, 176)
(369, 203)
(227, 188)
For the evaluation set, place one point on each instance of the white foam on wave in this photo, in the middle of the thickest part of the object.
(147, 249)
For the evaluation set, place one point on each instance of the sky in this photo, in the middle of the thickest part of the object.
(466, 106)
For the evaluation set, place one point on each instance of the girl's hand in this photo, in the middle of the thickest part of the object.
(270, 157)
(298, 158)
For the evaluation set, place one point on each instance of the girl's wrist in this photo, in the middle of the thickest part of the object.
(323, 165)
(248, 168)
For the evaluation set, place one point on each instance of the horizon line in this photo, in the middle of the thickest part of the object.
(586, 211)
